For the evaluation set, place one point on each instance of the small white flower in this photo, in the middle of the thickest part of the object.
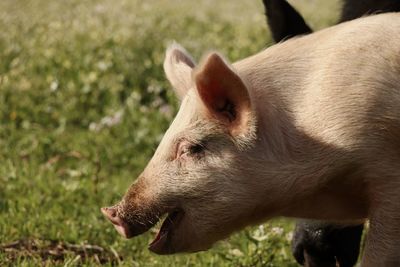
(236, 252)
(54, 86)
(277, 230)
(107, 121)
(94, 127)
(289, 236)
(259, 234)
(102, 65)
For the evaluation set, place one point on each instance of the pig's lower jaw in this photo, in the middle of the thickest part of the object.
(162, 242)
(123, 231)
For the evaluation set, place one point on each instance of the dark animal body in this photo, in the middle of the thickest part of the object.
(321, 244)
(285, 21)
(353, 9)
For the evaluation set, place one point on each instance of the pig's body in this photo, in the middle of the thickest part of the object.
(328, 108)
(324, 244)
(308, 128)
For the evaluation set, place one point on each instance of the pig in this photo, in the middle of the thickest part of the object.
(308, 128)
(285, 22)
(314, 243)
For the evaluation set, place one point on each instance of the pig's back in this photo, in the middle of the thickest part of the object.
(338, 83)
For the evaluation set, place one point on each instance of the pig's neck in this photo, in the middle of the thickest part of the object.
(275, 81)
(292, 171)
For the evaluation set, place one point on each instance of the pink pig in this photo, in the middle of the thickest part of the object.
(308, 128)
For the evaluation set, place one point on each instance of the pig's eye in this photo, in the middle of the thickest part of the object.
(189, 149)
(196, 148)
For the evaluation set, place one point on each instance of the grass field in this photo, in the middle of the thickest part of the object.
(83, 104)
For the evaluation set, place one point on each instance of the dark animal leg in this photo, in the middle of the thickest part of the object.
(320, 244)
(283, 20)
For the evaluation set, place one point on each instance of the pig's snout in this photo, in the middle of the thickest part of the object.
(110, 213)
(128, 222)
(122, 227)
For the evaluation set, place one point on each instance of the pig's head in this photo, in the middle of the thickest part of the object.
(197, 176)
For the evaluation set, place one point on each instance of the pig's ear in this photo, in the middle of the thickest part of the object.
(178, 66)
(224, 94)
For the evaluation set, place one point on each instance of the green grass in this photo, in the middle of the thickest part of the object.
(67, 66)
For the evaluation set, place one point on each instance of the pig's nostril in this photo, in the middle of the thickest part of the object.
(113, 213)
(109, 212)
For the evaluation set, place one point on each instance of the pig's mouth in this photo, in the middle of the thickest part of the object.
(162, 242)
(129, 228)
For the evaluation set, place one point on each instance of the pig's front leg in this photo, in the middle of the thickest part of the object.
(317, 244)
